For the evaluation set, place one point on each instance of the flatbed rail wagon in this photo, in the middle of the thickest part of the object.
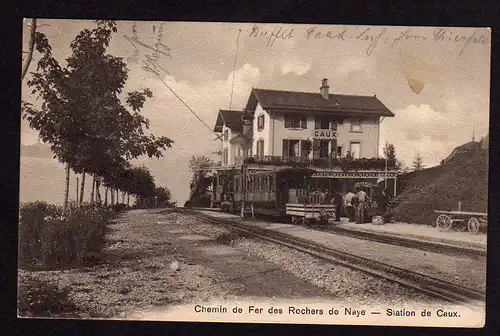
(461, 220)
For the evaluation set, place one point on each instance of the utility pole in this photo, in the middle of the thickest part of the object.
(386, 172)
(244, 190)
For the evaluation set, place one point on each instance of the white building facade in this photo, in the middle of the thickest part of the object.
(292, 124)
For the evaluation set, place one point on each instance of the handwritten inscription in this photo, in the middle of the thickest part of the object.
(372, 36)
(444, 34)
(272, 35)
(151, 62)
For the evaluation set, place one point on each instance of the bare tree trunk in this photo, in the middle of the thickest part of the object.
(128, 199)
(98, 191)
(106, 196)
(123, 197)
(82, 187)
(117, 196)
(30, 50)
(112, 193)
(92, 192)
(77, 185)
(66, 189)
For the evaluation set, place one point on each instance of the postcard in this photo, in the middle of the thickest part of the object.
(254, 173)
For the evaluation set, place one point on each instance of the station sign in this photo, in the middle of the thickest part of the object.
(324, 134)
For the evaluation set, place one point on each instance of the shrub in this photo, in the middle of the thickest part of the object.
(51, 239)
(41, 299)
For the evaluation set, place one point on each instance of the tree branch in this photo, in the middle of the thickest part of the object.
(30, 50)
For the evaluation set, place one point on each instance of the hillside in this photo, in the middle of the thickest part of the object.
(441, 188)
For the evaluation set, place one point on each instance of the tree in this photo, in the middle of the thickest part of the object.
(31, 47)
(200, 181)
(82, 117)
(418, 162)
(390, 155)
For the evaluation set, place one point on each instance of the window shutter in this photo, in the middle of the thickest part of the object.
(303, 145)
(288, 123)
(285, 148)
(317, 123)
(315, 149)
(333, 151)
(333, 124)
(304, 122)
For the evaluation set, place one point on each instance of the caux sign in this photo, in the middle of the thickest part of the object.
(324, 134)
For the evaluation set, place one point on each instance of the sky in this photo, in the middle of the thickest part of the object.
(436, 81)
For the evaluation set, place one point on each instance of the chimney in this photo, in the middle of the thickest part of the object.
(324, 88)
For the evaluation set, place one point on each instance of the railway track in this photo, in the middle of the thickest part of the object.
(419, 244)
(422, 283)
(402, 241)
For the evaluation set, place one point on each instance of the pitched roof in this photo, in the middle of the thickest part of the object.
(314, 102)
(230, 118)
(463, 149)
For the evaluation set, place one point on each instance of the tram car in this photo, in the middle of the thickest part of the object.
(281, 192)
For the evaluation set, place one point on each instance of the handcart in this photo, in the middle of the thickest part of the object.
(461, 220)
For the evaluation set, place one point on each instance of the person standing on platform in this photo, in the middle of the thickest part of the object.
(337, 202)
(383, 201)
(349, 207)
(360, 209)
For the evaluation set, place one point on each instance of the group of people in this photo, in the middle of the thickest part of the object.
(354, 203)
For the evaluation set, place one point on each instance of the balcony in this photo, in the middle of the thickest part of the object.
(343, 163)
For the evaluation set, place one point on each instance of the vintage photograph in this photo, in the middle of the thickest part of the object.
(254, 173)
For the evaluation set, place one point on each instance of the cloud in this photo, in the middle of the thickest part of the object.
(171, 118)
(421, 128)
(295, 67)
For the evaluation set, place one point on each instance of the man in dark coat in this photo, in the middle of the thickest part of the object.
(383, 201)
(337, 202)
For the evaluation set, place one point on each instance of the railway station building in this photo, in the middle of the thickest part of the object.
(337, 135)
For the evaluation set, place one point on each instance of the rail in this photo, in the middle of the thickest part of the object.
(431, 286)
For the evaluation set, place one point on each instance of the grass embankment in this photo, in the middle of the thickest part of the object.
(441, 188)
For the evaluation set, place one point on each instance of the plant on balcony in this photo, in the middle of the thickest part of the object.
(343, 163)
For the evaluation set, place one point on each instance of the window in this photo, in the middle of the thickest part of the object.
(295, 121)
(260, 148)
(226, 135)
(356, 125)
(260, 123)
(225, 156)
(290, 148)
(238, 151)
(339, 151)
(322, 123)
(356, 150)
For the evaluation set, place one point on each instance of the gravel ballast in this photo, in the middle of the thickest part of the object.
(347, 284)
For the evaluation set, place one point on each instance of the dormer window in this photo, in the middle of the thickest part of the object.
(260, 123)
(226, 135)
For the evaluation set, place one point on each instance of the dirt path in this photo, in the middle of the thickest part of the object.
(154, 260)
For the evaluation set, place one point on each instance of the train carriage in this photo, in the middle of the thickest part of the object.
(279, 192)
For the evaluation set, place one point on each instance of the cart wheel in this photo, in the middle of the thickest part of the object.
(443, 222)
(302, 221)
(473, 225)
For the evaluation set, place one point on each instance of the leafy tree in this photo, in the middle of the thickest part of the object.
(418, 162)
(82, 117)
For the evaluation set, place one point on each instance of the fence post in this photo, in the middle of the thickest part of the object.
(459, 206)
